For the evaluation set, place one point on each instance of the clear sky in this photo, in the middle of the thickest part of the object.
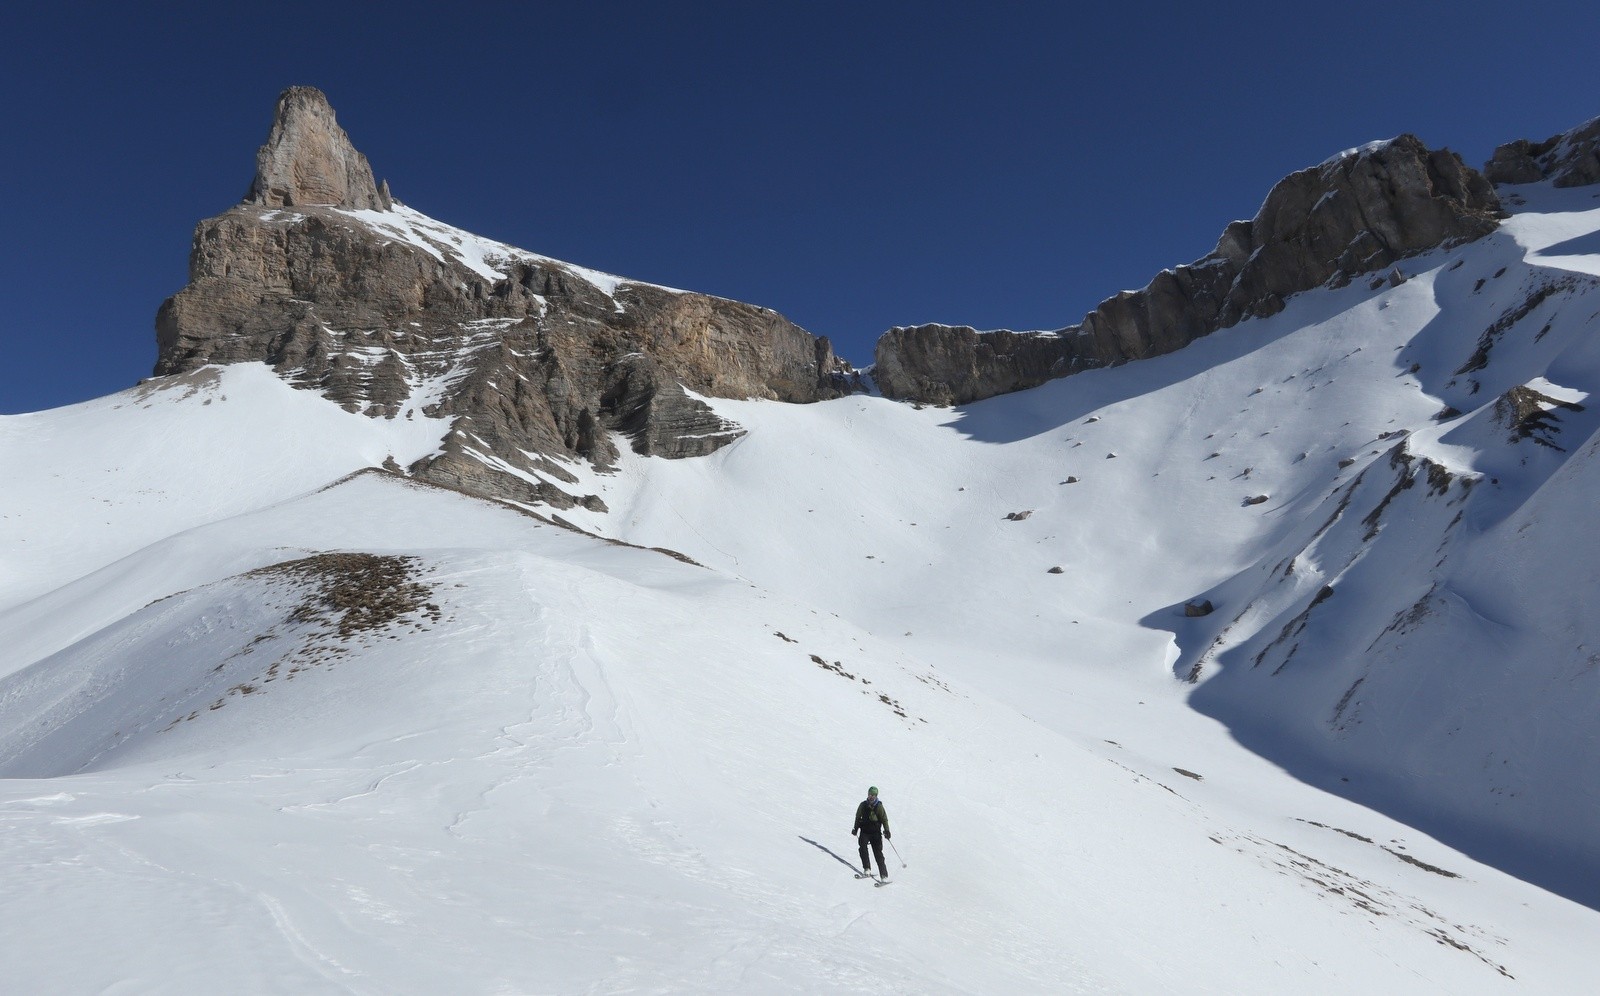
(852, 165)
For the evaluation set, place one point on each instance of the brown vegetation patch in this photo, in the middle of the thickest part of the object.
(355, 592)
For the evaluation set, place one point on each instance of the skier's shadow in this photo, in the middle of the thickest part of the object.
(830, 852)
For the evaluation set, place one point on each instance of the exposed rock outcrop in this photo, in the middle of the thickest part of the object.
(535, 362)
(1527, 413)
(945, 365)
(308, 160)
(1361, 211)
(1570, 159)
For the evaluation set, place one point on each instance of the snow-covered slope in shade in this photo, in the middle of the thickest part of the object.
(1427, 638)
(1207, 475)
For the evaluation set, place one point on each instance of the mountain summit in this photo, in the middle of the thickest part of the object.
(308, 160)
(537, 367)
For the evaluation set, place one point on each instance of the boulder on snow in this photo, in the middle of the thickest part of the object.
(1196, 609)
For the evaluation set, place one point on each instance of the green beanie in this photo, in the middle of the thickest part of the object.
(873, 790)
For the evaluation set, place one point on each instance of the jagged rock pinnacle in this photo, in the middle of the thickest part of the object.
(308, 160)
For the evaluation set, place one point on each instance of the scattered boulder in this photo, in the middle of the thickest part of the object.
(1194, 610)
(1255, 500)
(1055, 570)
(1018, 516)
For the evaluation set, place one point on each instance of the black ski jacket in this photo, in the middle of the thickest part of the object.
(871, 817)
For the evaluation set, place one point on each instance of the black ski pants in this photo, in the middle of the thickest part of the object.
(873, 836)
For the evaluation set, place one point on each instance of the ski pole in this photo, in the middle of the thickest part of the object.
(896, 852)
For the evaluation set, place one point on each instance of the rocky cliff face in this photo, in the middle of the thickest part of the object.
(308, 160)
(1570, 159)
(1358, 212)
(536, 363)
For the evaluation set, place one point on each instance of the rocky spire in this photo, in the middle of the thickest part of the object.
(308, 160)
(533, 363)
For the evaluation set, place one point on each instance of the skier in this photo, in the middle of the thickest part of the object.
(872, 826)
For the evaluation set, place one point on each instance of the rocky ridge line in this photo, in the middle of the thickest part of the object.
(1359, 212)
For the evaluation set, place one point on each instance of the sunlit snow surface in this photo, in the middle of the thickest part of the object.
(597, 768)
(482, 256)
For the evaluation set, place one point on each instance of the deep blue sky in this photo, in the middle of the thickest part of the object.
(853, 165)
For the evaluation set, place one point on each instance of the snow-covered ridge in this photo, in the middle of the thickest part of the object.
(1365, 149)
(482, 256)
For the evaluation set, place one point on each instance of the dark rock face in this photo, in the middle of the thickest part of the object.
(1570, 159)
(389, 313)
(1529, 414)
(943, 365)
(1359, 212)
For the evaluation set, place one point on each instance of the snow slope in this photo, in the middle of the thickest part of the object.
(598, 768)
(266, 726)
(1255, 469)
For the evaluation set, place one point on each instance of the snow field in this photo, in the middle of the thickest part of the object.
(603, 769)
(594, 768)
